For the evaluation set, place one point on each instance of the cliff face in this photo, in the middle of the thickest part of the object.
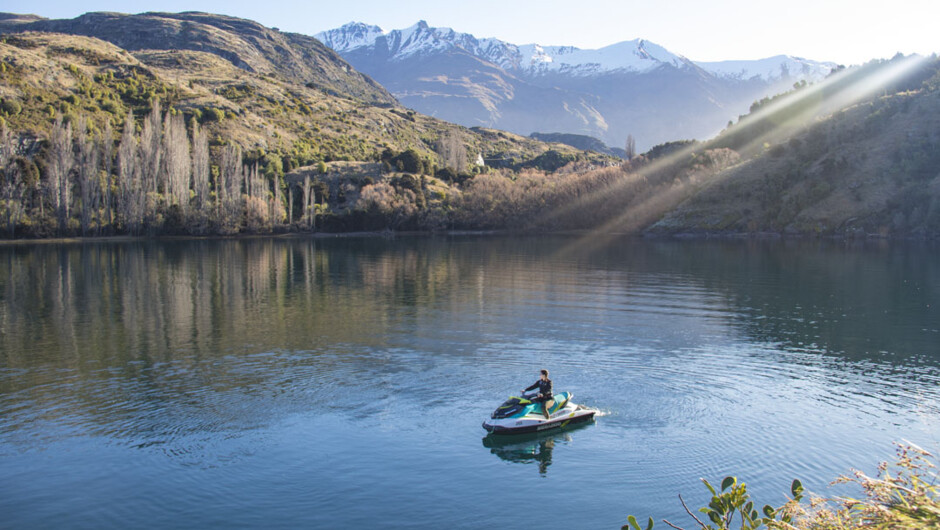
(246, 44)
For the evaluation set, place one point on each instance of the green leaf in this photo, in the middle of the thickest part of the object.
(710, 488)
(769, 511)
(632, 520)
(727, 483)
(650, 525)
(714, 517)
(748, 507)
(796, 488)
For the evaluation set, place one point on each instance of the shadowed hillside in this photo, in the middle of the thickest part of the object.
(855, 155)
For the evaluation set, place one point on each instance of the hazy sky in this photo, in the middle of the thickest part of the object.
(844, 31)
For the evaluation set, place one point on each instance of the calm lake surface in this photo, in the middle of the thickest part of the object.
(342, 382)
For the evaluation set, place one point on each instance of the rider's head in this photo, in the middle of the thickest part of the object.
(544, 374)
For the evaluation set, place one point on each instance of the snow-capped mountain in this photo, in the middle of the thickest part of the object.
(637, 55)
(771, 68)
(401, 44)
(633, 87)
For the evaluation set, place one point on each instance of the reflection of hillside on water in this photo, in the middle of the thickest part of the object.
(158, 323)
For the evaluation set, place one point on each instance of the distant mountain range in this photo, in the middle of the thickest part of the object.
(630, 88)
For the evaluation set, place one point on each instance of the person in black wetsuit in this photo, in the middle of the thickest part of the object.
(544, 397)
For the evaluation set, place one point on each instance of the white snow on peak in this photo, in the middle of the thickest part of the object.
(350, 36)
(777, 67)
(636, 56)
(420, 38)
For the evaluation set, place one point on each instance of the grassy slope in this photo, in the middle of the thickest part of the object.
(244, 43)
(870, 168)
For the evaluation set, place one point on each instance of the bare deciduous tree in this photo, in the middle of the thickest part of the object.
(107, 163)
(150, 159)
(130, 187)
(61, 161)
(277, 204)
(200, 166)
(309, 203)
(256, 204)
(150, 152)
(450, 147)
(229, 211)
(177, 161)
(200, 172)
(12, 188)
(87, 174)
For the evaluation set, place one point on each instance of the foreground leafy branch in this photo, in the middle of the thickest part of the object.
(904, 495)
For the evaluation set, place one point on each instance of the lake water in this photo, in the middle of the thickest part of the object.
(300, 383)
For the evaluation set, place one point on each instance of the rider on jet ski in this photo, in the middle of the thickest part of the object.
(545, 392)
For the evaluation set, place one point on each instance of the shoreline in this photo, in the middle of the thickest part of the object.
(390, 234)
(385, 234)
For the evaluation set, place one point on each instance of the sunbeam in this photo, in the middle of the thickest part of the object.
(772, 123)
(802, 107)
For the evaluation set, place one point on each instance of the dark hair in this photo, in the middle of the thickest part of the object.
(545, 373)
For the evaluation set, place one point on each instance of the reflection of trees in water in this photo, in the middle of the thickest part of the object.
(861, 301)
(68, 306)
(196, 327)
(104, 310)
(162, 300)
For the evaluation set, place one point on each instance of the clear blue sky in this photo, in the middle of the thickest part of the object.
(844, 31)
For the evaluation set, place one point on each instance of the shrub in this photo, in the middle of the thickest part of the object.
(446, 174)
(10, 107)
(409, 161)
(550, 160)
(904, 495)
(212, 114)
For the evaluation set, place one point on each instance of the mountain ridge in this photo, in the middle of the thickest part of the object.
(633, 88)
(248, 45)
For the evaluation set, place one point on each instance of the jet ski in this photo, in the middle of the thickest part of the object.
(520, 415)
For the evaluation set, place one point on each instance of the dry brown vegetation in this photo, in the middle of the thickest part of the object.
(869, 168)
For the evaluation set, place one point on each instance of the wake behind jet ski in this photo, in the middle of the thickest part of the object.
(520, 414)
